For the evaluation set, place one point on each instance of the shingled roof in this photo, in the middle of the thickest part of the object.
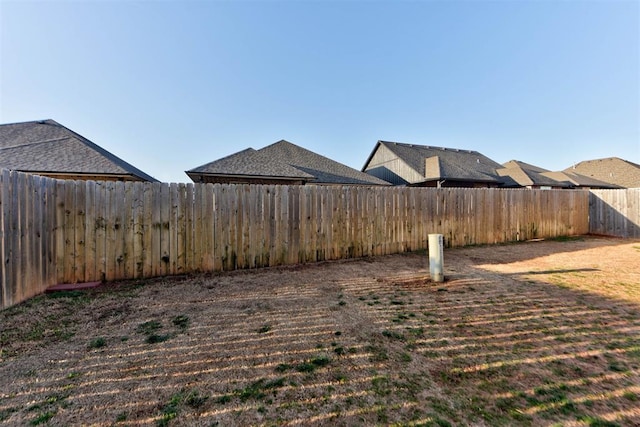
(577, 180)
(249, 162)
(282, 161)
(527, 175)
(613, 170)
(430, 164)
(47, 148)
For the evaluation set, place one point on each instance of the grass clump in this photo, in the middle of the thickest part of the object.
(151, 327)
(98, 342)
(258, 389)
(157, 338)
(225, 398)
(307, 366)
(147, 328)
(264, 329)
(181, 321)
(313, 364)
(597, 422)
(391, 334)
(194, 399)
(378, 353)
(170, 411)
(42, 418)
(381, 386)
(282, 367)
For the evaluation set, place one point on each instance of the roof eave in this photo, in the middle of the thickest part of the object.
(191, 174)
(67, 173)
(112, 157)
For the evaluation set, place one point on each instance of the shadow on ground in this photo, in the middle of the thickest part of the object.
(348, 343)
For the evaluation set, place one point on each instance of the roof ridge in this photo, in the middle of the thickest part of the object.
(42, 122)
(30, 144)
(410, 145)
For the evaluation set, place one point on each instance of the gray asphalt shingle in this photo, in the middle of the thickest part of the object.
(46, 146)
(287, 160)
(613, 170)
(529, 175)
(453, 164)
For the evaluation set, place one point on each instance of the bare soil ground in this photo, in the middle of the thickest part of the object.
(537, 333)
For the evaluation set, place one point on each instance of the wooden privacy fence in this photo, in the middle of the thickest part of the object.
(56, 231)
(615, 212)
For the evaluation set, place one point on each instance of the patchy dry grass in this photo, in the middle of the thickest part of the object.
(530, 334)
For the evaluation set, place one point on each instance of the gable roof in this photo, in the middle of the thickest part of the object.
(440, 163)
(613, 170)
(286, 160)
(527, 175)
(250, 162)
(46, 146)
(578, 180)
(524, 166)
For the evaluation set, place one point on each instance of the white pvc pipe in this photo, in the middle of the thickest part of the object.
(436, 257)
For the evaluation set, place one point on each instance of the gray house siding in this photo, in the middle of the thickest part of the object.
(387, 166)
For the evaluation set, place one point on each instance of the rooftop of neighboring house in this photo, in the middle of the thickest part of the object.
(612, 170)
(527, 175)
(439, 163)
(286, 161)
(48, 148)
(577, 180)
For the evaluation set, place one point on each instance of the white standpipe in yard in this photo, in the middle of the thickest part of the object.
(436, 257)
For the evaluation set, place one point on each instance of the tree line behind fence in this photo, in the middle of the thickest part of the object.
(56, 231)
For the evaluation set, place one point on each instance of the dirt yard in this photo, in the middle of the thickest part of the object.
(538, 333)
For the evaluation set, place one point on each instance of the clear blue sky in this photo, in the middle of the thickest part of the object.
(171, 85)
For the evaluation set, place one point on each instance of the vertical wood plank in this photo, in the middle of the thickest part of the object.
(69, 227)
(100, 225)
(60, 231)
(190, 264)
(90, 232)
(276, 218)
(255, 220)
(37, 282)
(23, 247)
(111, 223)
(208, 228)
(156, 221)
(126, 203)
(138, 230)
(13, 271)
(221, 225)
(80, 240)
(48, 227)
(216, 220)
(148, 229)
(165, 231)
(314, 226)
(5, 263)
(173, 231)
(294, 225)
(119, 225)
(240, 224)
(181, 229)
